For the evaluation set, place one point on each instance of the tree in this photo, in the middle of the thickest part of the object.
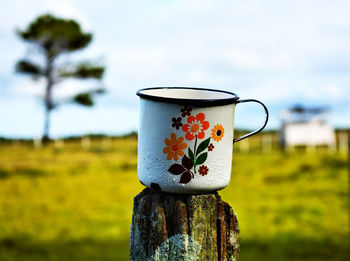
(53, 37)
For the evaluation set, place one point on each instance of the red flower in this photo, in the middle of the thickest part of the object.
(203, 170)
(195, 127)
(211, 147)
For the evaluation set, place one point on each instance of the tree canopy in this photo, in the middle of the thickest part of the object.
(54, 37)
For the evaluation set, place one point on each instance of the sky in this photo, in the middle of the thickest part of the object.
(280, 52)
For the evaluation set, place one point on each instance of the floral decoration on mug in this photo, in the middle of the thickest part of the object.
(194, 129)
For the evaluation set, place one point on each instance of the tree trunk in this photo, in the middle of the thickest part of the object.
(48, 99)
(46, 137)
(183, 227)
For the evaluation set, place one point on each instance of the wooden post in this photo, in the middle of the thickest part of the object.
(183, 227)
(85, 142)
(106, 142)
(311, 148)
(59, 143)
(267, 143)
(343, 142)
(37, 143)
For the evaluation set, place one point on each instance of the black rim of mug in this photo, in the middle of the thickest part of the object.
(192, 102)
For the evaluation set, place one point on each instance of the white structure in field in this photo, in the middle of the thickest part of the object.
(306, 126)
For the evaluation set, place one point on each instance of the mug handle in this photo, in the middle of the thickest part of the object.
(258, 130)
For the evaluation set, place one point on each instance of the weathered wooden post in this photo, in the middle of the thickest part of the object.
(37, 143)
(168, 226)
(267, 143)
(59, 143)
(85, 142)
(343, 142)
(106, 142)
(185, 148)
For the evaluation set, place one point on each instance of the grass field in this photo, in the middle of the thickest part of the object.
(76, 204)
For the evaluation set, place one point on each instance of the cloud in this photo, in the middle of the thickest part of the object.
(281, 52)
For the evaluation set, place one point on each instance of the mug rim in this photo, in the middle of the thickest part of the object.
(193, 102)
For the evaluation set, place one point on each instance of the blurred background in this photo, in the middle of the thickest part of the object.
(69, 72)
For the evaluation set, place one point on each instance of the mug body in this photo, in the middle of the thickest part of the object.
(185, 139)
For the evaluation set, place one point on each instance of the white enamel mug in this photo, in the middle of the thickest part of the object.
(185, 138)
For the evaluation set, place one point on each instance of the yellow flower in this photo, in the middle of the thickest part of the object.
(217, 132)
(174, 147)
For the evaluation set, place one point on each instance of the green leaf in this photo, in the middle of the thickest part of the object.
(83, 70)
(204, 144)
(27, 67)
(191, 155)
(86, 70)
(84, 99)
(201, 158)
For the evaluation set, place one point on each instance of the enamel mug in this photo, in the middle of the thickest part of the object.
(185, 138)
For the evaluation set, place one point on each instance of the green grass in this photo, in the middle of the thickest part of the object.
(76, 204)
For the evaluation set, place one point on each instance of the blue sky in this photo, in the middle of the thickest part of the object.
(281, 52)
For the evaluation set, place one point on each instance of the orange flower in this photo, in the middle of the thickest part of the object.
(217, 132)
(174, 147)
(195, 126)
